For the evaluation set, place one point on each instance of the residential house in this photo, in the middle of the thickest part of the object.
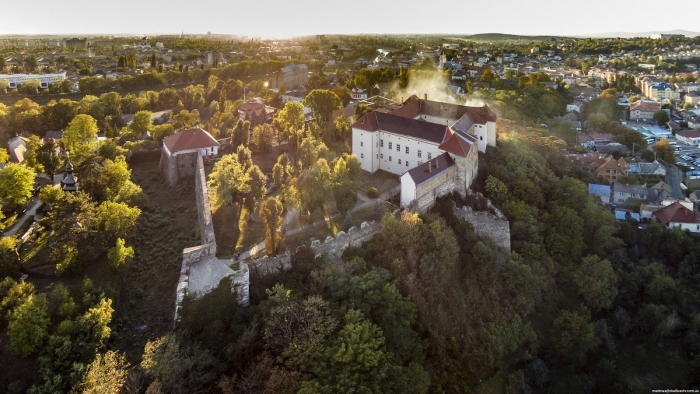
(654, 168)
(644, 110)
(16, 147)
(591, 139)
(603, 192)
(690, 137)
(459, 75)
(255, 112)
(358, 94)
(180, 150)
(609, 169)
(678, 216)
(623, 192)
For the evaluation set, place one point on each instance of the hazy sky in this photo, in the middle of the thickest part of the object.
(284, 18)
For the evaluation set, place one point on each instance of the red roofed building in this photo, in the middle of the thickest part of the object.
(180, 150)
(405, 141)
(690, 137)
(678, 216)
(644, 109)
(255, 112)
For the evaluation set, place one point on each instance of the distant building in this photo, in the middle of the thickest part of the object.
(16, 147)
(358, 94)
(255, 112)
(644, 110)
(690, 137)
(291, 76)
(678, 216)
(44, 79)
(179, 155)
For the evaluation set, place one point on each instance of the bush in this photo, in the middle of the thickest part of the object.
(372, 192)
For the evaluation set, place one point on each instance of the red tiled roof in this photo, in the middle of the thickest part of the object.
(689, 134)
(456, 145)
(676, 213)
(409, 108)
(375, 121)
(194, 138)
(645, 106)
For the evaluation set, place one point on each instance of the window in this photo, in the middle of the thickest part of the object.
(389, 158)
(406, 150)
(420, 154)
(362, 143)
(430, 155)
(381, 156)
(406, 163)
(377, 156)
(399, 161)
(390, 145)
(381, 143)
(362, 155)
(481, 138)
(398, 148)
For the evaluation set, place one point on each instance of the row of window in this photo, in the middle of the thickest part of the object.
(398, 149)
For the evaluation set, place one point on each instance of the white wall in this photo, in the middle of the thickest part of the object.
(408, 189)
(414, 145)
(363, 147)
(692, 227)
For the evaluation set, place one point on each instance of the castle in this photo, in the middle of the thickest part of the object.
(432, 146)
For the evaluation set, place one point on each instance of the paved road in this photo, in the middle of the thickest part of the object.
(674, 177)
(31, 211)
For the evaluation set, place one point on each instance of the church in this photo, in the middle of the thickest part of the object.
(432, 146)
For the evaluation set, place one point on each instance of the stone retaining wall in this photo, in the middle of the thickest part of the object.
(487, 224)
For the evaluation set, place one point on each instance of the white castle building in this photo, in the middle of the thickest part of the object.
(433, 146)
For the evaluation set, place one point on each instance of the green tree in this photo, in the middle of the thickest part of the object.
(140, 124)
(28, 326)
(16, 184)
(80, 138)
(120, 254)
(664, 151)
(185, 119)
(313, 186)
(263, 135)
(282, 175)
(4, 156)
(661, 117)
(290, 121)
(271, 211)
(573, 336)
(323, 102)
(361, 110)
(162, 131)
(229, 180)
(241, 134)
(9, 258)
(106, 374)
(595, 280)
(33, 155)
(116, 219)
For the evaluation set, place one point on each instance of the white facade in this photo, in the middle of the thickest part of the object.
(394, 153)
(44, 79)
(408, 189)
(692, 227)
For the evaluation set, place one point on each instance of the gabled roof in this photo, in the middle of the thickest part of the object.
(375, 121)
(457, 144)
(599, 190)
(194, 138)
(431, 168)
(645, 106)
(689, 134)
(676, 213)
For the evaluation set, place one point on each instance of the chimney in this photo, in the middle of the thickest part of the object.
(426, 97)
(430, 166)
(437, 163)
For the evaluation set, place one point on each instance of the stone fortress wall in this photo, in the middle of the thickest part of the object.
(203, 256)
